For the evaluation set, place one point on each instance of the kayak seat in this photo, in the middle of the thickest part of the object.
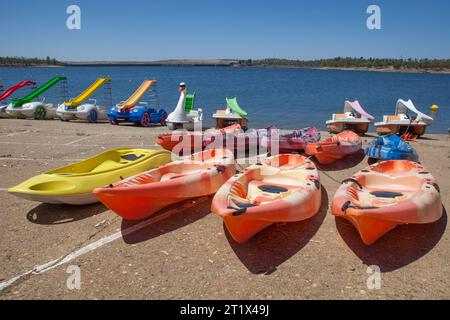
(386, 194)
(272, 189)
(132, 157)
(262, 191)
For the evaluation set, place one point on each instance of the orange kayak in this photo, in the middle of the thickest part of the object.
(189, 142)
(384, 195)
(142, 195)
(284, 188)
(335, 147)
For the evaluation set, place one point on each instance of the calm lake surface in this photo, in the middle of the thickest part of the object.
(286, 98)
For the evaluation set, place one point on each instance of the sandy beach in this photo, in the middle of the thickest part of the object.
(184, 252)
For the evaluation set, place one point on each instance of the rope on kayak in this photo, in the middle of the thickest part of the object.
(332, 178)
(239, 167)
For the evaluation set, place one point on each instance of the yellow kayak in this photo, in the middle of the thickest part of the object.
(75, 183)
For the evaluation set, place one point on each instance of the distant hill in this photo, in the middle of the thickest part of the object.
(340, 63)
(172, 62)
(349, 63)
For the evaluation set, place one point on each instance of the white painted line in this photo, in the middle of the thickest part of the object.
(10, 282)
(79, 140)
(17, 133)
(97, 244)
(48, 160)
(29, 143)
(142, 145)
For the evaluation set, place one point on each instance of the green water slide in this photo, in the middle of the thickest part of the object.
(233, 105)
(189, 102)
(36, 93)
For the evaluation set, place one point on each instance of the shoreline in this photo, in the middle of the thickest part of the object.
(231, 65)
(387, 70)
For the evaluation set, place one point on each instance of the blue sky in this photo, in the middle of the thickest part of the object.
(172, 29)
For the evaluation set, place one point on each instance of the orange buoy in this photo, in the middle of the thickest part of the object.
(284, 188)
(142, 195)
(335, 147)
(382, 196)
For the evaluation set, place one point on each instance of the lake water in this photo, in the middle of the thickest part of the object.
(286, 98)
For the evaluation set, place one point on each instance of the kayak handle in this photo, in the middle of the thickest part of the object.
(238, 212)
(221, 168)
(435, 186)
(348, 204)
(352, 180)
(345, 206)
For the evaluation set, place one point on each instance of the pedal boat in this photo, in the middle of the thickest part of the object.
(391, 147)
(402, 122)
(354, 118)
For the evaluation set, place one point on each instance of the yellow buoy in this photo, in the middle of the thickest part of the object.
(434, 107)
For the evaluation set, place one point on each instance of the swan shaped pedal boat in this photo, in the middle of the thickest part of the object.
(74, 184)
(140, 196)
(284, 188)
(389, 193)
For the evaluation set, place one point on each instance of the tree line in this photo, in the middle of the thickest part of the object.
(348, 62)
(22, 61)
(338, 62)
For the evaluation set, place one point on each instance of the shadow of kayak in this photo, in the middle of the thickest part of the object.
(268, 249)
(399, 247)
(348, 162)
(184, 213)
(53, 214)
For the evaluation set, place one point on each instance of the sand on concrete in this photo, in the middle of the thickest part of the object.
(189, 255)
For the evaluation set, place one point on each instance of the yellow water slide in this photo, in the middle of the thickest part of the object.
(87, 93)
(137, 95)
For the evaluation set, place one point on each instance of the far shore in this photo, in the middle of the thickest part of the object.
(388, 70)
(392, 70)
(224, 63)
